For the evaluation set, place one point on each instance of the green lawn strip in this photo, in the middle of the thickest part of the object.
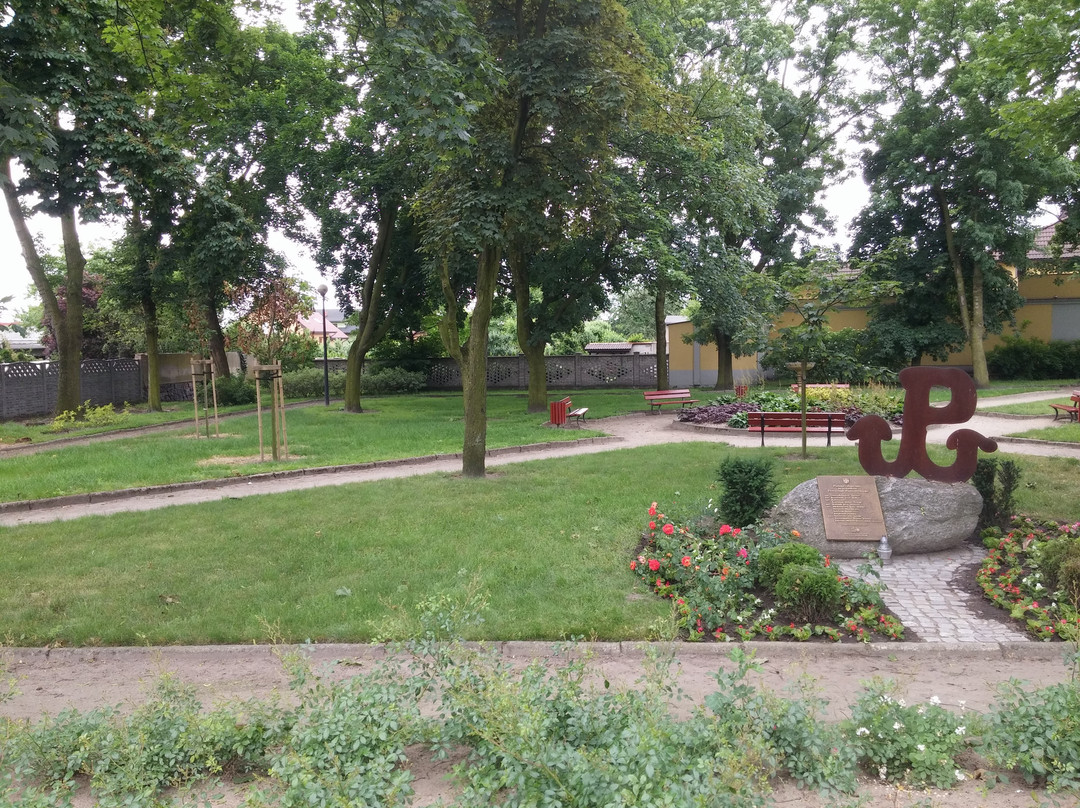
(1063, 432)
(549, 539)
(390, 428)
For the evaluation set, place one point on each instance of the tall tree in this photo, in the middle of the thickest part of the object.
(938, 150)
(68, 115)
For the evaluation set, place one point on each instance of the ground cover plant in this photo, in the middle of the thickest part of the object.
(547, 735)
(1033, 573)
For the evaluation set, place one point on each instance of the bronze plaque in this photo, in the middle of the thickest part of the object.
(851, 509)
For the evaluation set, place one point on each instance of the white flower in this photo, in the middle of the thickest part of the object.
(962, 702)
(960, 776)
(960, 730)
(862, 731)
(901, 702)
(921, 747)
(935, 700)
(897, 725)
(882, 772)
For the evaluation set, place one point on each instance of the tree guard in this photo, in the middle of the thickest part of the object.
(201, 371)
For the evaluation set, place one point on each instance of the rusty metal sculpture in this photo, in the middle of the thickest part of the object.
(872, 430)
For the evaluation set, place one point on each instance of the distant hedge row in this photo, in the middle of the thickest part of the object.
(1019, 358)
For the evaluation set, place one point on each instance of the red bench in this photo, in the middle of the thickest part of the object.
(561, 412)
(1073, 412)
(658, 398)
(816, 422)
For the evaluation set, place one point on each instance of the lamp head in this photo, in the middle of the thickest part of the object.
(322, 289)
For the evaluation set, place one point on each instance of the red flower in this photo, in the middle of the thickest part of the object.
(652, 525)
(654, 565)
(652, 509)
(686, 561)
(736, 531)
(724, 530)
(633, 565)
(743, 553)
(668, 529)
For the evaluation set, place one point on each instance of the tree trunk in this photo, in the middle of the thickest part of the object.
(725, 377)
(534, 354)
(661, 338)
(153, 356)
(68, 339)
(353, 370)
(69, 331)
(373, 324)
(474, 366)
(217, 341)
(971, 319)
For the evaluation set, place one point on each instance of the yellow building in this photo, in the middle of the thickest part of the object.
(1051, 312)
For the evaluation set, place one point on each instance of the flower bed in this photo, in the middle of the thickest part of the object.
(712, 576)
(1016, 577)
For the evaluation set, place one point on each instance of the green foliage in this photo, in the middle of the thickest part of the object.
(88, 415)
(309, 383)
(812, 592)
(1037, 732)
(748, 488)
(739, 420)
(234, 390)
(384, 380)
(998, 500)
(1033, 573)
(772, 560)
(168, 741)
(901, 743)
(1018, 357)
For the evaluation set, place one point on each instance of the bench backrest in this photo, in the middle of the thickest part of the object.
(667, 394)
(756, 419)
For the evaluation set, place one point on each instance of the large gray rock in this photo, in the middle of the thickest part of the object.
(920, 516)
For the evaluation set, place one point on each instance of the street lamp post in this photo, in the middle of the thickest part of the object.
(322, 290)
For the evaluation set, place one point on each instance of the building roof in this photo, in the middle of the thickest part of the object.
(1042, 251)
(314, 325)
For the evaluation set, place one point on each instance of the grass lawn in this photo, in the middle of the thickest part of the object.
(391, 427)
(549, 540)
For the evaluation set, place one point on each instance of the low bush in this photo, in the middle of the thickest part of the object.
(88, 415)
(382, 381)
(772, 560)
(913, 744)
(811, 593)
(748, 489)
(234, 390)
(1020, 358)
(309, 383)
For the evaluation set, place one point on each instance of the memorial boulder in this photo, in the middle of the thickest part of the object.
(920, 517)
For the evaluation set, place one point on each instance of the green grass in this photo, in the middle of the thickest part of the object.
(1062, 432)
(390, 428)
(549, 541)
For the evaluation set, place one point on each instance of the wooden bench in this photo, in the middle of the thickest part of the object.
(795, 387)
(1073, 412)
(658, 398)
(816, 423)
(561, 412)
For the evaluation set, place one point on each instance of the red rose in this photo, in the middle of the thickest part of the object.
(686, 561)
(654, 565)
(669, 528)
(652, 525)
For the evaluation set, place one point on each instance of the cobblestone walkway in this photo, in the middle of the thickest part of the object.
(920, 594)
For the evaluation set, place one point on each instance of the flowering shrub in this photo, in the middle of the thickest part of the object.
(1013, 577)
(917, 745)
(712, 575)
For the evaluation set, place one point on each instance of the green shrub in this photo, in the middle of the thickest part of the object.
(88, 415)
(739, 421)
(996, 481)
(234, 390)
(913, 744)
(1037, 732)
(381, 381)
(1055, 556)
(1020, 358)
(308, 383)
(772, 560)
(812, 592)
(748, 489)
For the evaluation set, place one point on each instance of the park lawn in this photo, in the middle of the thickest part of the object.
(1062, 432)
(548, 541)
(391, 427)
